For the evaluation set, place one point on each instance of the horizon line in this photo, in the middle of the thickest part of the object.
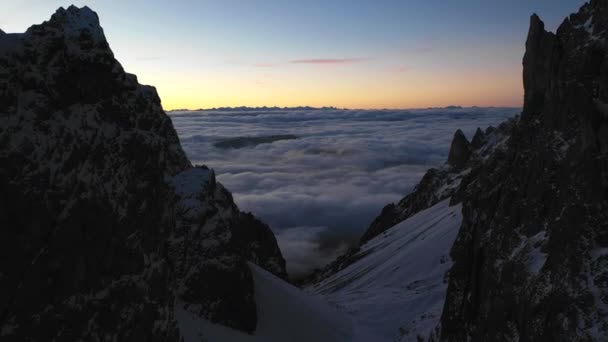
(332, 107)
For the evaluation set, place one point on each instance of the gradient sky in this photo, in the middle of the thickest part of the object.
(355, 54)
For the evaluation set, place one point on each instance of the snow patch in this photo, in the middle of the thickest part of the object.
(188, 185)
(530, 251)
(588, 26)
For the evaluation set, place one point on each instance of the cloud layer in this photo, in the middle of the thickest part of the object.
(320, 192)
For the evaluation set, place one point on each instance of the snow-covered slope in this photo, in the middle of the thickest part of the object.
(396, 289)
(285, 313)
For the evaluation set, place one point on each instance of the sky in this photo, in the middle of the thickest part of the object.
(348, 54)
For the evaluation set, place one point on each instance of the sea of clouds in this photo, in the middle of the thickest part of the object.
(319, 192)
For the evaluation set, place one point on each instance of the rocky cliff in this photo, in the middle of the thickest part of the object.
(531, 258)
(105, 227)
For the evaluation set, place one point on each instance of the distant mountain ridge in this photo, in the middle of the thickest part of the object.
(275, 108)
(245, 108)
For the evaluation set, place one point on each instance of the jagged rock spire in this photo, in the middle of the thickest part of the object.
(460, 151)
(478, 138)
(540, 46)
(527, 260)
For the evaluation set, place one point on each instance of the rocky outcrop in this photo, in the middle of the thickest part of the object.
(531, 258)
(478, 139)
(209, 250)
(460, 151)
(104, 225)
(439, 184)
(541, 49)
(436, 185)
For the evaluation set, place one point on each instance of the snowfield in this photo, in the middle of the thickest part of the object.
(398, 288)
(394, 292)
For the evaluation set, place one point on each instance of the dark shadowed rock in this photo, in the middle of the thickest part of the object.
(478, 139)
(530, 257)
(540, 49)
(97, 235)
(460, 150)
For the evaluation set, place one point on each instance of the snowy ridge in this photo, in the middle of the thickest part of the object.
(397, 288)
(443, 182)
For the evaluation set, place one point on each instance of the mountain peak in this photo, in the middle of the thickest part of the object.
(65, 96)
(537, 26)
(75, 21)
(540, 46)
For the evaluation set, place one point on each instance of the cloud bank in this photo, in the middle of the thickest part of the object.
(320, 192)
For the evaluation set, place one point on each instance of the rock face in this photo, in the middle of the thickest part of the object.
(460, 151)
(209, 249)
(104, 224)
(531, 258)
